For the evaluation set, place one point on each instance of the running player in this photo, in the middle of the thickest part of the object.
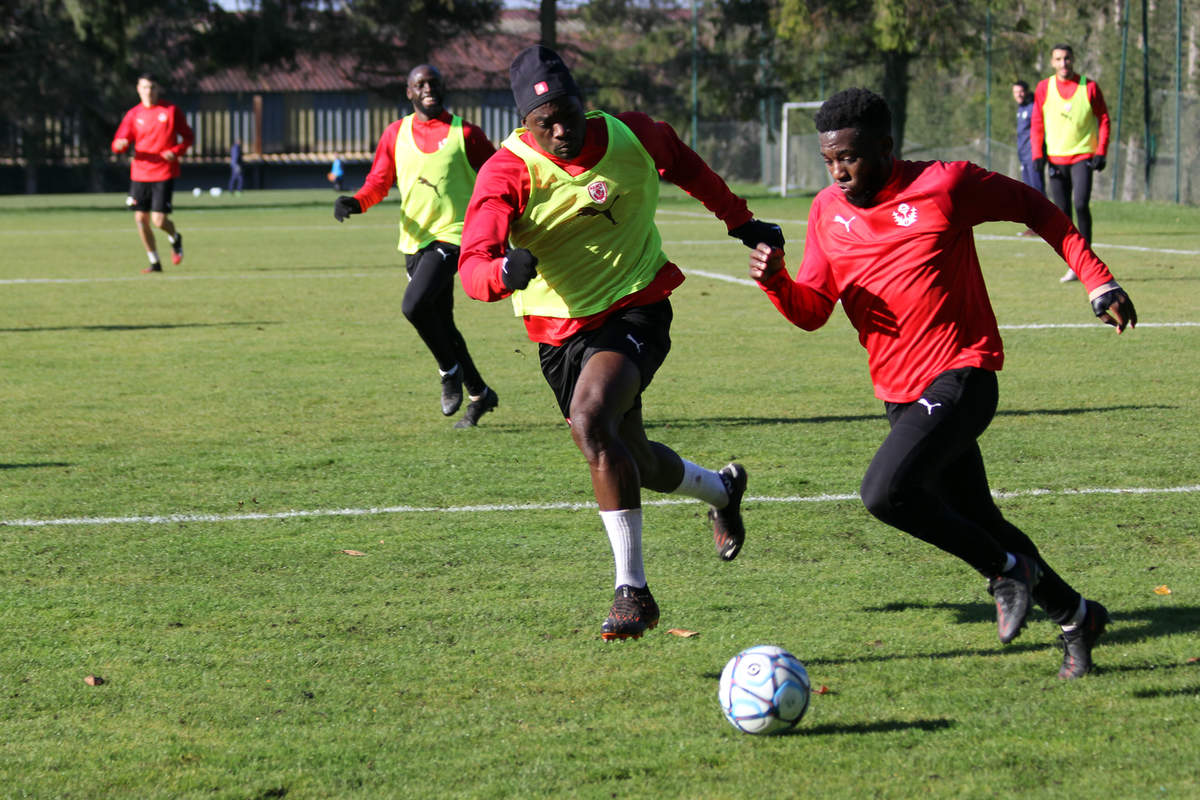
(892, 241)
(432, 156)
(575, 193)
(159, 134)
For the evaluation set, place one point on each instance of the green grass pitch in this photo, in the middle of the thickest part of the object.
(185, 460)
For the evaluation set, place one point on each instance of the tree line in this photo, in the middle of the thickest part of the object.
(937, 63)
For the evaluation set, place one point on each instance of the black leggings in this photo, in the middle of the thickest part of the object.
(928, 480)
(429, 306)
(1071, 185)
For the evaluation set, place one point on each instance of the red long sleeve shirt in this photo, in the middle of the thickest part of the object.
(907, 274)
(1066, 89)
(428, 137)
(502, 190)
(152, 131)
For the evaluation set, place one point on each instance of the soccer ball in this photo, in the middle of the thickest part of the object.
(196, 192)
(764, 689)
(215, 191)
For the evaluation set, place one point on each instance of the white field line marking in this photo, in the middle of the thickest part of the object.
(390, 272)
(167, 519)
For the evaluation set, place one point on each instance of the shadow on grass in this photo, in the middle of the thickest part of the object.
(741, 422)
(147, 327)
(1154, 694)
(35, 465)
(1127, 626)
(879, 726)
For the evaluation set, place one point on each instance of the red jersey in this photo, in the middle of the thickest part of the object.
(907, 274)
(428, 137)
(152, 131)
(502, 190)
(1067, 89)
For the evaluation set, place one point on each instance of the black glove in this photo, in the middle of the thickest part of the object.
(1098, 163)
(345, 206)
(1117, 297)
(1039, 164)
(520, 266)
(755, 231)
(1054, 171)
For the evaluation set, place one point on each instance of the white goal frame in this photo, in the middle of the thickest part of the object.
(783, 139)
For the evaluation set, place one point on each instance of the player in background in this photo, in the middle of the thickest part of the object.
(562, 221)
(892, 241)
(1031, 171)
(1070, 129)
(432, 157)
(159, 135)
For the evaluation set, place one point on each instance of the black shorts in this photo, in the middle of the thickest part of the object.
(151, 195)
(642, 333)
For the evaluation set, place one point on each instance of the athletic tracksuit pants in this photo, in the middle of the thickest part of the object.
(928, 479)
(429, 306)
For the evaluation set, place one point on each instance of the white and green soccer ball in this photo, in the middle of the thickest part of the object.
(764, 689)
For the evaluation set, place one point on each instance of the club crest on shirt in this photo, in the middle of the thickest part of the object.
(162, 116)
(905, 215)
(598, 191)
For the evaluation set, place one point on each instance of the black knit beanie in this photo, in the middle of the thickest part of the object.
(538, 76)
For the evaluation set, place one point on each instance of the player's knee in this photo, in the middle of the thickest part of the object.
(878, 498)
(591, 430)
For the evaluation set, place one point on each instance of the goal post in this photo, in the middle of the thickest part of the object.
(783, 139)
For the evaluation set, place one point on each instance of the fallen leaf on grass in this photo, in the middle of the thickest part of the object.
(93, 680)
(1164, 589)
(683, 632)
(823, 690)
(354, 552)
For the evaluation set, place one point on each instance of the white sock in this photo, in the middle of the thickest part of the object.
(1077, 620)
(702, 484)
(1010, 561)
(170, 238)
(153, 258)
(450, 371)
(624, 529)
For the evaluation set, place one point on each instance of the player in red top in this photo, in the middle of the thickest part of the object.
(431, 227)
(159, 135)
(598, 362)
(892, 241)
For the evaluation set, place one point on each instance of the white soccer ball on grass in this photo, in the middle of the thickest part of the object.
(764, 689)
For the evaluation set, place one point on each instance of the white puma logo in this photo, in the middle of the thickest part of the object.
(930, 406)
(636, 343)
(844, 221)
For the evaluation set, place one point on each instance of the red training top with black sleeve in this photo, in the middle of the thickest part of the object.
(907, 273)
(152, 131)
(428, 137)
(502, 190)
(1067, 89)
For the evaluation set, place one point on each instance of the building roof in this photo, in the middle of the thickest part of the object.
(475, 62)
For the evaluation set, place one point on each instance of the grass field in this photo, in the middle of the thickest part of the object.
(187, 458)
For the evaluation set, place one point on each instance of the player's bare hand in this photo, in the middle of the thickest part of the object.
(168, 155)
(1113, 307)
(120, 144)
(765, 261)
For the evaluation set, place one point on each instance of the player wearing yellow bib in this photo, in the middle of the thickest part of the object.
(432, 157)
(1069, 129)
(562, 221)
